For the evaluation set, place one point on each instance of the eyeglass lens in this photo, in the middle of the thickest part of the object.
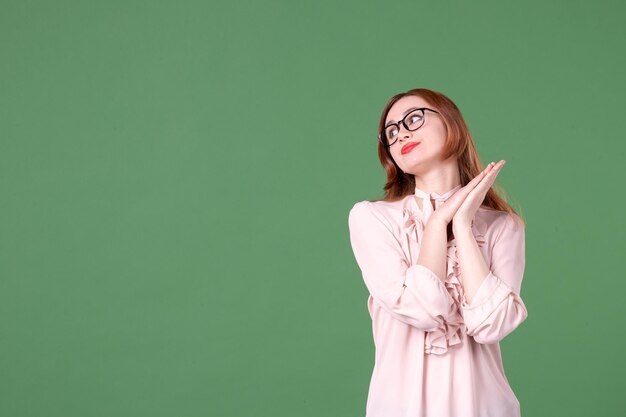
(413, 121)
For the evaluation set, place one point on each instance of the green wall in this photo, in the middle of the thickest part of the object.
(176, 179)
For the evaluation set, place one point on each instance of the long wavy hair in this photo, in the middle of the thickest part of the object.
(459, 143)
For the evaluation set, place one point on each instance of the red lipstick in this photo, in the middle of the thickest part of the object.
(407, 148)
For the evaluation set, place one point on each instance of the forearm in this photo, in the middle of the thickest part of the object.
(472, 264)
(433, 248)
(412, 294)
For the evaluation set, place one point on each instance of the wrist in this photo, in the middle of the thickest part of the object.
(461, 225)
(436, 222)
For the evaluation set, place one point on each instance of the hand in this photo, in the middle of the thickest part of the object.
(462, 205)
(466, 212)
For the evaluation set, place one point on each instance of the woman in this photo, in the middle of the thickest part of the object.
(444, 276)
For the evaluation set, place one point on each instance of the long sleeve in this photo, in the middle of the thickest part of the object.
(411, 294)
(497, 308)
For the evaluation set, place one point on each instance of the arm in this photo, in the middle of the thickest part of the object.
(472, 264)
(492, 307)
(433, 252)
(414, 294)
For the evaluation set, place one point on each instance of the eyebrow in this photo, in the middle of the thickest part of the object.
(403, 116)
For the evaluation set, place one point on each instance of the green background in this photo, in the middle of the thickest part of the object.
(176, 179)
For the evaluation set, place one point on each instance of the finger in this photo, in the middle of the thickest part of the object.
(489, 178)
(494, 168)
(499, 165)
(478, 178)
(493, 173)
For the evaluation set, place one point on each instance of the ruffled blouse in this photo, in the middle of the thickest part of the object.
(437, 354)
(414, 221)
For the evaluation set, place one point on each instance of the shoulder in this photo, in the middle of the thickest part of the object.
(500, 217)
(495, 223)
(365, 212)
(388, 213)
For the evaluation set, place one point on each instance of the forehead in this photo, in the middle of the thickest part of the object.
(399, 108)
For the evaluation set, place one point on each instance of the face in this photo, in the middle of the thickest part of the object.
(431, 137)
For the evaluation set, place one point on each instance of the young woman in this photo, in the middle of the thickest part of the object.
(442, 256)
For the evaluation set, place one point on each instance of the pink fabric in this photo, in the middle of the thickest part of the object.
(436, 354)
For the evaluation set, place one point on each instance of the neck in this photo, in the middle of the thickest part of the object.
(439, 181)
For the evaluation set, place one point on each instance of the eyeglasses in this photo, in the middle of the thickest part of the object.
(412, 121)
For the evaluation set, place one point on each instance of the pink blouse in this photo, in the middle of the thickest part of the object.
(436, 354)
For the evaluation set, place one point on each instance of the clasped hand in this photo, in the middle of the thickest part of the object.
(461, 207)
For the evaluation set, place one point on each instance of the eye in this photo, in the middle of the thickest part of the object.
(415, 118)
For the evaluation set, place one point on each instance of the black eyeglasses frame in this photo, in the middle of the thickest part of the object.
(382, 139)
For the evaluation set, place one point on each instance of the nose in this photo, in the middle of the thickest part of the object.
(403, 135)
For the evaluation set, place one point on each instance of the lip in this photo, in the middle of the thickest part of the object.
(409, 146)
